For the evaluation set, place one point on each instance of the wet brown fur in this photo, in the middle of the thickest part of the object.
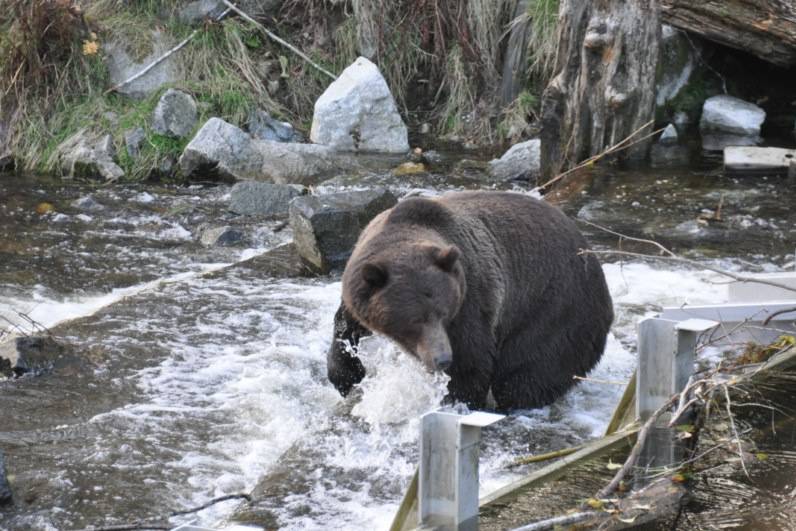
(524, 311)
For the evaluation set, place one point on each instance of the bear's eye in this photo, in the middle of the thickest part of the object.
(428, 295)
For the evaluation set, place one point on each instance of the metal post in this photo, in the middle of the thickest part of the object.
(666, 355)
(448, 482)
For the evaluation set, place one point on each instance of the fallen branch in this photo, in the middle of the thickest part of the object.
(544, 457)
(135, 526)
(162, 58)
(551, 523)
(152, 522)
(278, 39)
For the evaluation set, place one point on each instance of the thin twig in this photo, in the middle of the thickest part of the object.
(624, 144)
(142, 524)
(597, 380)
(135, 526)
(278, 39)
(728, 405)
(663, 249)
(213, 502)
(692, 263)
(780, 312)
(162, 58)
(631, 460)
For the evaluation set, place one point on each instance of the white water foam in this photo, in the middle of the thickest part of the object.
(273, 395)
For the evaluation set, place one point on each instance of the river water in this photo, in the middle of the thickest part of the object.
(194, 375)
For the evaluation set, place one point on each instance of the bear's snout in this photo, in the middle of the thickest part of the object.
(443, 361)
(434, 348)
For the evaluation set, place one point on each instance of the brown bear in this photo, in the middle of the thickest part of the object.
(490, 287)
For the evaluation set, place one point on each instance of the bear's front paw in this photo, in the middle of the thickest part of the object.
(344, 376)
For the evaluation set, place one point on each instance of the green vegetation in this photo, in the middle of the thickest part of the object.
(440, 60)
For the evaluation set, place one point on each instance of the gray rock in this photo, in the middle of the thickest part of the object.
(262, 126)
(30, 354)
(175, 114)
(121, 66)
(223, 150)
(133, 140)
(199, 10)
(325, 228)
(669, 155)
(358, 113)
(669, 135)
(220, 236)
(250, 198)
(6, 161)
(87, 203)
(86, 155)
(521, 161)
(280, 262)
(729, 115)
(5, 488)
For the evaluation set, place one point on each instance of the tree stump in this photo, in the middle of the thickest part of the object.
(604, 84)
(765, 28)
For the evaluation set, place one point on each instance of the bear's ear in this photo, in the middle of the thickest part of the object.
(374, 274)
(446, 257)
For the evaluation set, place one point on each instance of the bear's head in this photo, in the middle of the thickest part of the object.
(410, 293)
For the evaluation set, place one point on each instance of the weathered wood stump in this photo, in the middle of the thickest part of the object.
(604, 84)
(765, 28)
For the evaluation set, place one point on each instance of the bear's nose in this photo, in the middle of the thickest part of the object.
(442, 363)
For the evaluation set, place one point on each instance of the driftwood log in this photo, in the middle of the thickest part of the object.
(765, 28)
(603, 88)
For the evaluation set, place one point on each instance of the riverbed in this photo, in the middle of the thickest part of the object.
(195, 375)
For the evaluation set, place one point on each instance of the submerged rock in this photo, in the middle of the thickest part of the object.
(281, 262)
(358, 113)
(31, 354)
(521, 161)
(325, 228)
(729, 115)
(86, 155)
(5, 488)
(220, 236)
(251, 198)
(262, 126)
(719, 141)
(220, 149)
(122, 66)
(175, 114)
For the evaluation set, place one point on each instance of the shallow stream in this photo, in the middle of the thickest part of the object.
(195, 376)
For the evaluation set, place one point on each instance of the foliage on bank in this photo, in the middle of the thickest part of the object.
(441, 59)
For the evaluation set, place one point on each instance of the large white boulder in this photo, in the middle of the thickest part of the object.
(358, 113)
(726, 114)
